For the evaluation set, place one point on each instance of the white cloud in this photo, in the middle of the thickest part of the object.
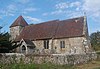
(13, 9)
(30, 9)
(91, 5)
(9, 10)
(66, 5)
(2, 11)
(27, 10)
(76, 14)
(0, 17)
(66, 8)
(61, 5)
(92, 8)
(57, 12)
(45, 14)
(22, 1)
(75, 4)
(33, 20)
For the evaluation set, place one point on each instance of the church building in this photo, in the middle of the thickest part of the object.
(52, 37)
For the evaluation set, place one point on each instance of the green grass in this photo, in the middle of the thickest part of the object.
(36, 66)
(90, 65)
(98, 52)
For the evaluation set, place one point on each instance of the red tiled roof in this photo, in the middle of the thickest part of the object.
(20, 21)
(39, 31)
(28, 42)
(53, 29)
(70, 28)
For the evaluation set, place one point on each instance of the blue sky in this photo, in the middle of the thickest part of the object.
(37, 11)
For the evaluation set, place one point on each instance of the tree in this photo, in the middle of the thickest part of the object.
(95, 40)
(6, 45)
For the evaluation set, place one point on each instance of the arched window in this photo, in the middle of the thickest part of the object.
(23, 47)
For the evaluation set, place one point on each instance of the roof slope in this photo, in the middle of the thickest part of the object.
(20, 21)
(39, 31)
(70, 28)
(53, 29)
(28, 42)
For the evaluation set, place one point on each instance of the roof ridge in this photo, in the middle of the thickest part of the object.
(73, 18)
(47, 22)
(42, 23)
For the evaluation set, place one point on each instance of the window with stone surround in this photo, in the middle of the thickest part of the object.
(23, 49)
(62, 44)
(46, 44)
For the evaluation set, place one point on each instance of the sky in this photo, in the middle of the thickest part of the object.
(37, 11)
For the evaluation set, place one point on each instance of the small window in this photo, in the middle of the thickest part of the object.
(46, 44)
(23, 47)
(55, 47)
(75, 49)
(62, 44)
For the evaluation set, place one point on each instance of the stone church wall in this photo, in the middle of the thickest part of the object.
(14, 32)
(72, 45)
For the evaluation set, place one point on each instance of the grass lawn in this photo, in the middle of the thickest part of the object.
(89, 65)
(36, 66)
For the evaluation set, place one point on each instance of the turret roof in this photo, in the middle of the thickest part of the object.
(20, 21)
